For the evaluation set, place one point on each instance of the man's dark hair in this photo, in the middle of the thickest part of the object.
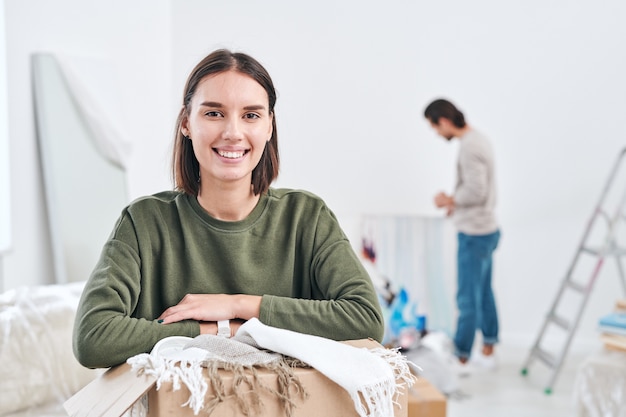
(443, 108)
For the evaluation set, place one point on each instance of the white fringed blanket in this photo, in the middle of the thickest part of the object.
(372, 377)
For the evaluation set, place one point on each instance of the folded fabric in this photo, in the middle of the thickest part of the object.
(365, 374)
(615, 320)
(369, 376)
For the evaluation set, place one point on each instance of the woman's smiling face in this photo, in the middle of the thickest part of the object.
(229, 123)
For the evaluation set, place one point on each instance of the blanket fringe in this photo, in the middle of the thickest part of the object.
(380, 399)
(246, 387)
(375, 400)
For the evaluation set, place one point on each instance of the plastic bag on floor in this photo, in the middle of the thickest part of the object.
(434, 356)
(600, 385)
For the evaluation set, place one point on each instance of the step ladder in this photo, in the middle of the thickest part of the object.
(571, 284)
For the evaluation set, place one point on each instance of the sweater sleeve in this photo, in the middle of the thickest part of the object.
(473, 178)
(345, 305)
(105, 331)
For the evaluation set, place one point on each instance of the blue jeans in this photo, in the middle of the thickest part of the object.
(474, 298)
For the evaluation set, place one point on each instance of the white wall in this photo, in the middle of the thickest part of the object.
(544, 80)
(5, 207)
(137, 42)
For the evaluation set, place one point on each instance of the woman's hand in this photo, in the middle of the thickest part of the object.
(212, 308)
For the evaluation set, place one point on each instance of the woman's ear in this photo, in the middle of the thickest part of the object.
(271, 129)
(184, 127)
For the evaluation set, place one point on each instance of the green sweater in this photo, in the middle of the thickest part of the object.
(290, 249)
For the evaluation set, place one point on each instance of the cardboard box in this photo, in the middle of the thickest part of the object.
(117, 389)
(425, 400)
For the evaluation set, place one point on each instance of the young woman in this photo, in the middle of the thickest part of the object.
(223, 247)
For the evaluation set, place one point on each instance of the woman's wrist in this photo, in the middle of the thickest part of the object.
(247, 306)
(208, 327)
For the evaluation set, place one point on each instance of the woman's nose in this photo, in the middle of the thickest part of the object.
(233, 129)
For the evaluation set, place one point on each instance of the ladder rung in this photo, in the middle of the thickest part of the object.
(560, 321)
(546, 357)
(590, 250)
(576, 286)
(599, 251)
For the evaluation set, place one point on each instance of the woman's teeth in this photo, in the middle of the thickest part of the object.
(230, 155)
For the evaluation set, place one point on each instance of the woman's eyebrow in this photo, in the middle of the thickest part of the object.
(255, 107)
(220, 105)
(211, 104)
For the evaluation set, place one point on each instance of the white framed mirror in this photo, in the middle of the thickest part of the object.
(85, 188)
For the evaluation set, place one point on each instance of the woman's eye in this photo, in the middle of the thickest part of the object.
(213, 114)
(251, 116)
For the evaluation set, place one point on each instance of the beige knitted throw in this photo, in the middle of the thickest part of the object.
(371, 377)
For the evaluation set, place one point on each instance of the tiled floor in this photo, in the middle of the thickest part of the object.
(505, 392)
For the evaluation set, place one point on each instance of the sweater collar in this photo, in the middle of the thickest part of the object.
(233, 226)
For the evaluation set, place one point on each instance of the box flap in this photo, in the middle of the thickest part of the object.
(363, 343)
(109, 395)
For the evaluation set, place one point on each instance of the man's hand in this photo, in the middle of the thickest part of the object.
(443, 200)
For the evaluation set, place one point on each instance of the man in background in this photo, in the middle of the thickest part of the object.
(471, 206)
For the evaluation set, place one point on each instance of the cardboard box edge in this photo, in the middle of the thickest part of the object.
(118, 389)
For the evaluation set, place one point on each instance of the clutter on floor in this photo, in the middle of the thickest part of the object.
(600, 385)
